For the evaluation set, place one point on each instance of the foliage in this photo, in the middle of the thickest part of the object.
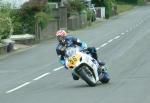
(128, 1)
(98, 3)
(54, 0)
(108, 6)
(75, 6)
(89, 14)
(140, 2)
(121, 7)
(17, 23)
(29, 14)
(6, 27)
(42, 19)
(47, 9)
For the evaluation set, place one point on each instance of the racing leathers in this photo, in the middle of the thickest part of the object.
(70, 40)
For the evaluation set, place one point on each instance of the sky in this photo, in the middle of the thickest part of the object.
(16, 3)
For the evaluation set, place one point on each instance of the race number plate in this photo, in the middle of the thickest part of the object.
(73, 60)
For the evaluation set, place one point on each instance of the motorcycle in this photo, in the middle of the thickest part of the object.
(84, 66)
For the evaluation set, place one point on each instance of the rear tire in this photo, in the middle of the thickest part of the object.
(88, 78)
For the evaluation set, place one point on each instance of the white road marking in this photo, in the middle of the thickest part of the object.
(109, 41)
(122, 33)
(97, 48)
(58, 68)
(12, 90)
(127, 31)
(117, 37)
(42, 76)
(103, 45)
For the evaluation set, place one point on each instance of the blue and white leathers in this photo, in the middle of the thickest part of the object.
(69, 41)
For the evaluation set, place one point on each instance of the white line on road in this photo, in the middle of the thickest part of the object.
(97, 48)
(58, 68)
(12, 90)
(109, 41)
(42, 76)
(122, 33)
(117, 37)
(103, 45)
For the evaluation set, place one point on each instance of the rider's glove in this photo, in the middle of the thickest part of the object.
(83, 45)
(62, 62)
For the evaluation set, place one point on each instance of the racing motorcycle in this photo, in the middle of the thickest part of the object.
(84, 66)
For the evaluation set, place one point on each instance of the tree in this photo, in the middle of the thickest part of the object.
(98, 3)
(6, 26)
(54, 0)
(128, 1)
(26, 15)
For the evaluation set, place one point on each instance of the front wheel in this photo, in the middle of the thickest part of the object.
(87, 76)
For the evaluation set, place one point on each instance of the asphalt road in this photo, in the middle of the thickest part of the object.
(123, 42)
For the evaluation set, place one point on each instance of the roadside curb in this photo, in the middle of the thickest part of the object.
(17, 49)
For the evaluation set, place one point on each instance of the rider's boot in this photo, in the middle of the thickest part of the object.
(103, 74)
(101, 63)
(101, 69)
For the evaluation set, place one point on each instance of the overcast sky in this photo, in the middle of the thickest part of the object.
(16, 3)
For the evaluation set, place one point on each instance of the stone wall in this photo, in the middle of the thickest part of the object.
(60, 14)
(77, 21)
(3, 49)
(49, 31)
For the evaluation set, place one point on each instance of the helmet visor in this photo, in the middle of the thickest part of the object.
(60, 38)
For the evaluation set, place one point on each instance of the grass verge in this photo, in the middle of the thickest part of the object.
(122, 7)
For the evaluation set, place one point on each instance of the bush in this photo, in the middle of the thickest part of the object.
(75, 6)
(108, 6)
(6, 27)
(140, 2)
(42, 19)
(89, 14)
(98, 3)
(26, 16)
(128, 1)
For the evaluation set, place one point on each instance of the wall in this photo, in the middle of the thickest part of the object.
(49, 31)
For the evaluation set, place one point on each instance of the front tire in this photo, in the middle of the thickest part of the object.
(75, 77)
(87, 76)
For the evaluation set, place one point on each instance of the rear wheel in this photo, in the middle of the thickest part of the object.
(87, 76)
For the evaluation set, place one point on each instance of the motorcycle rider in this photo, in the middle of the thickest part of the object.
(65, 40)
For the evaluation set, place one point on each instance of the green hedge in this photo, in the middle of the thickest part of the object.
(128, 1)
(32, 12)
(6, 27)
(108, 4)
(132, 1)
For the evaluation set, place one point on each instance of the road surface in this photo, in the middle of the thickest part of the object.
(123, 42)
